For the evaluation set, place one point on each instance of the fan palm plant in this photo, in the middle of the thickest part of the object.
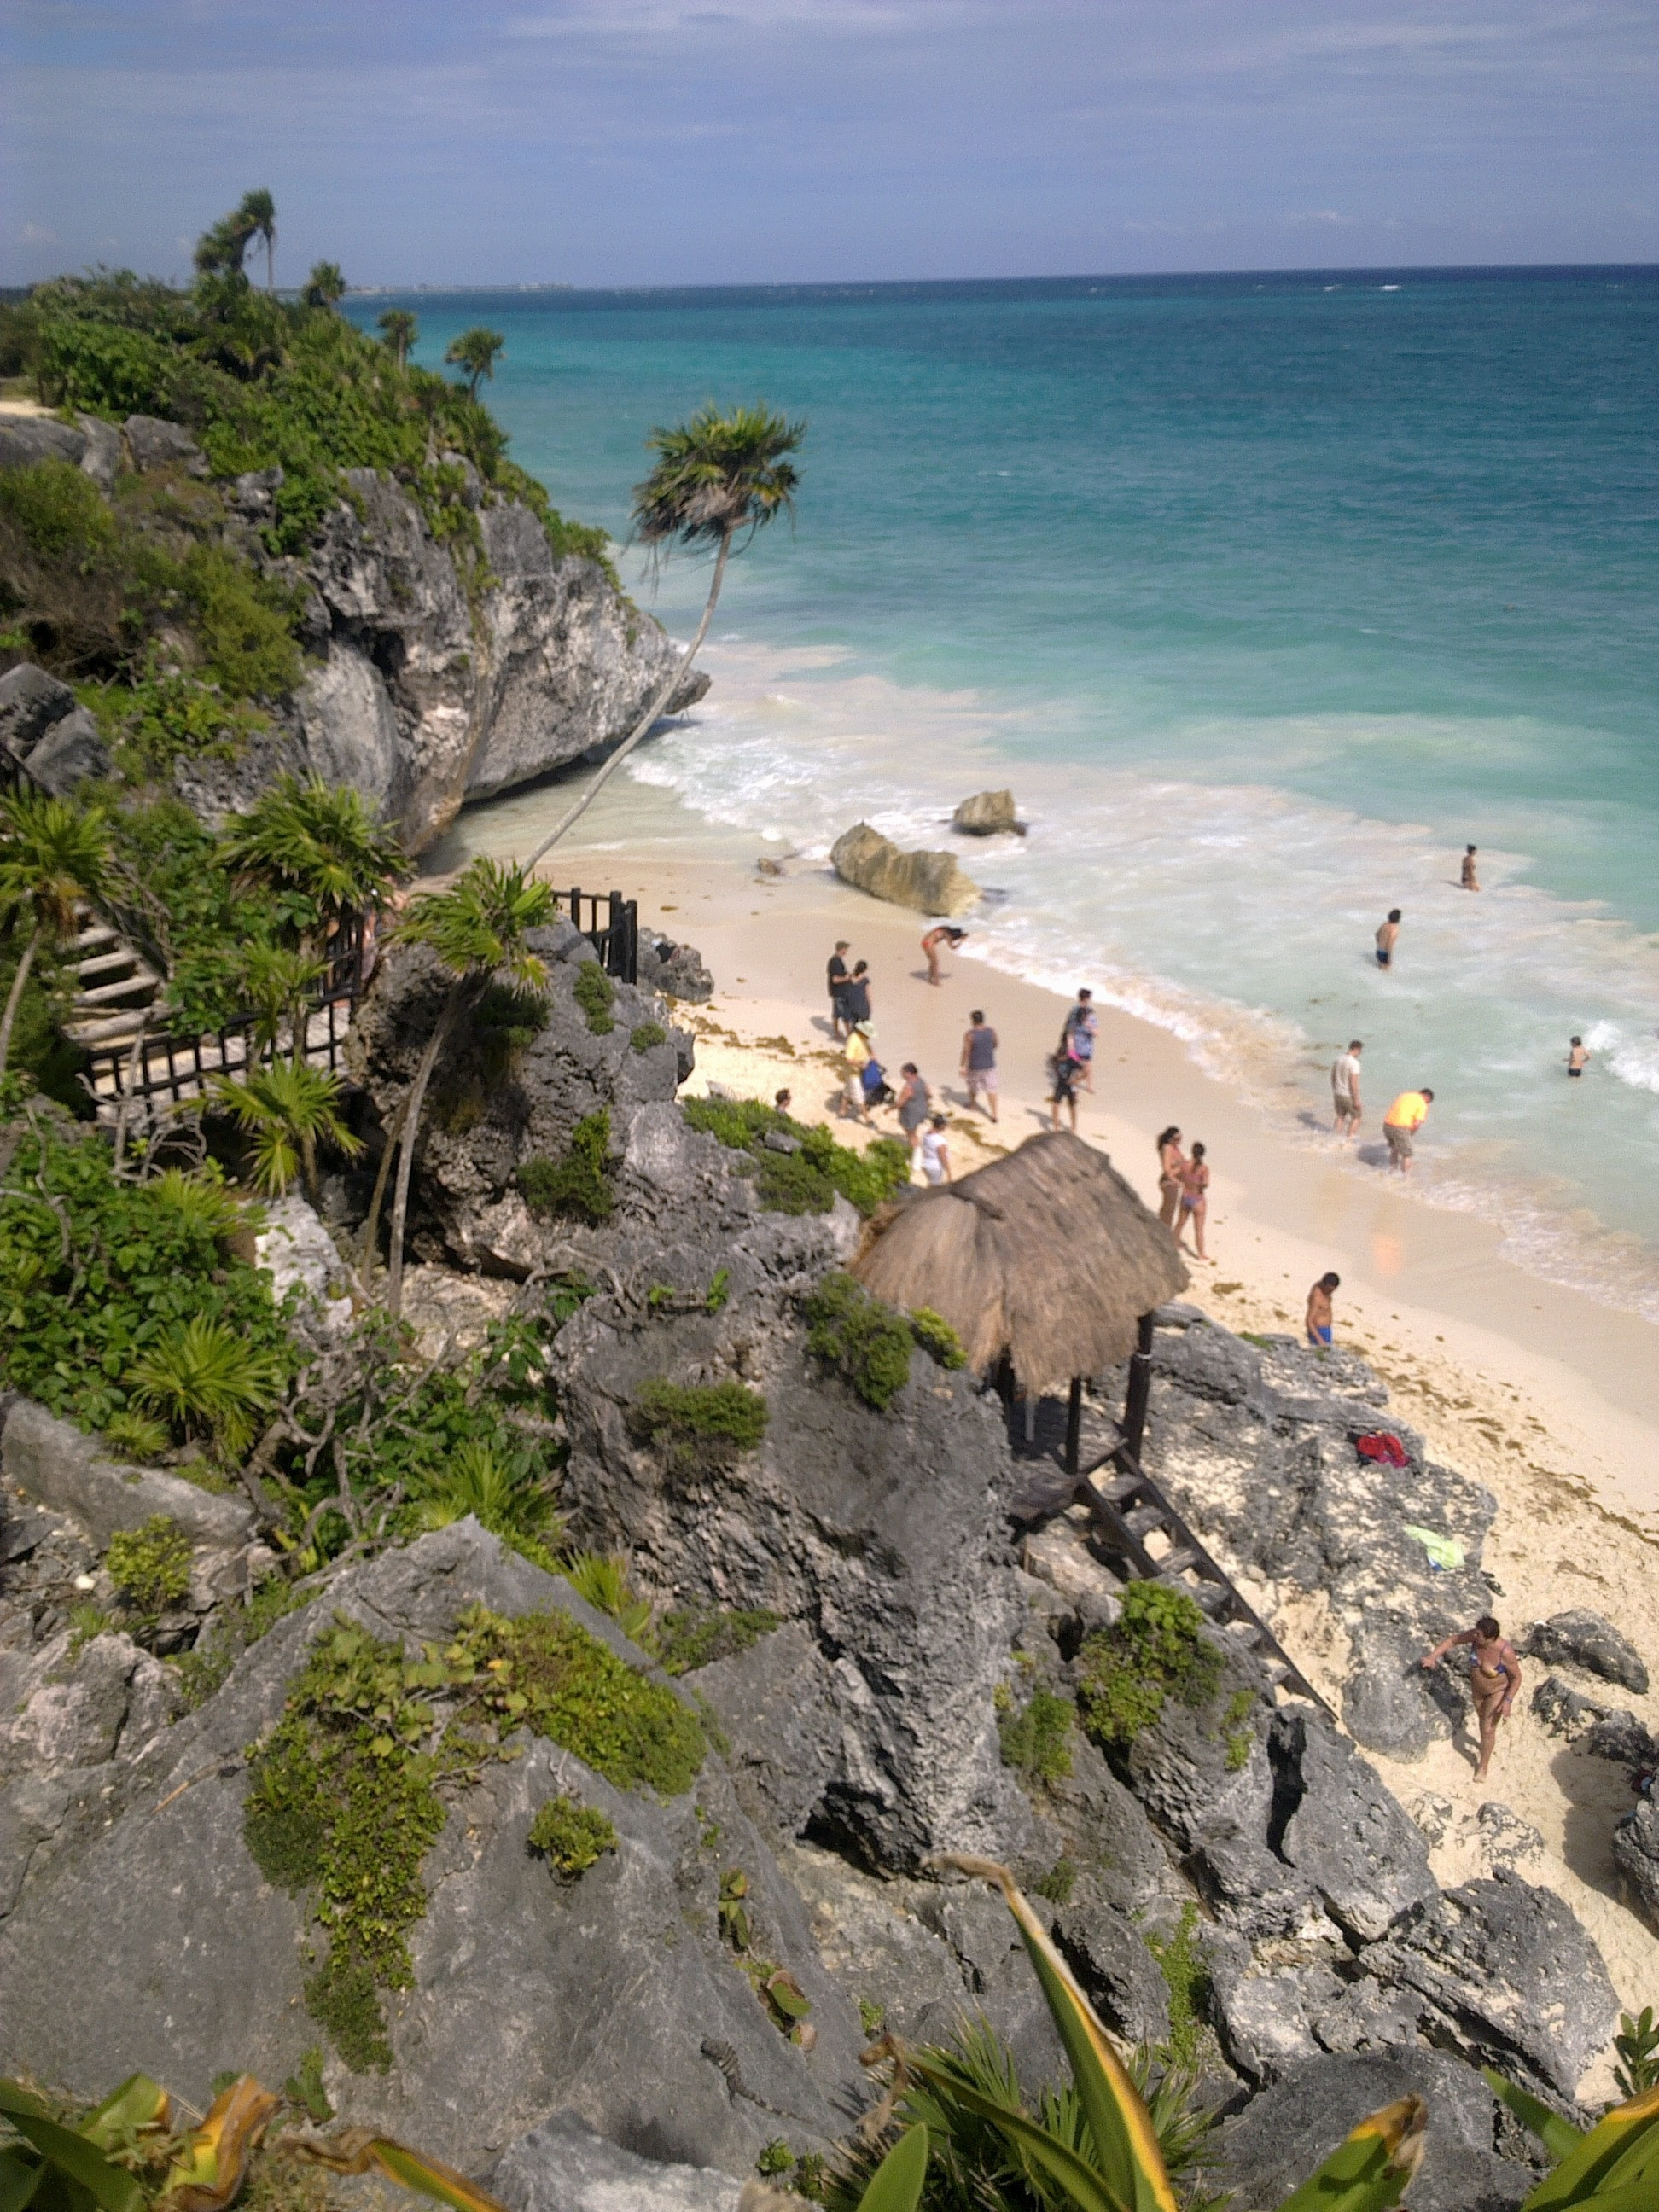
(399, 330)
(478, 929)
(719, 478)
(258, 213)
(476, 351)
(53, 857)
(278, 984)
(288, 1110)
(205, 1380)
(325, 287)
(317, 845)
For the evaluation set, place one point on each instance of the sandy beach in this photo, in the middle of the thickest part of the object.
(1550, 1399)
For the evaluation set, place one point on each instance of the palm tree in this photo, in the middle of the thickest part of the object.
(718, 477)
(288, 1108)
(399, 332)
(476, 351)
(318, 843)
(278, 984)
(478, 929)
(52, 858)
(220, 250)
(258, 212)
(326, 286)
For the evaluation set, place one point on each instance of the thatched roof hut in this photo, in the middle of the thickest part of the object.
(1048, 1255)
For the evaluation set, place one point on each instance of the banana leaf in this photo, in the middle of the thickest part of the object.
(895, 2185)
(138, 2105)
(213, 2164)
(1370, 2167)
(18, 2179)
(1619, 2154)
(1131, 2164)
(71, 2156)
(1559, 2137)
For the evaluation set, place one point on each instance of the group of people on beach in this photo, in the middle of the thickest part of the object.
(864, 1085)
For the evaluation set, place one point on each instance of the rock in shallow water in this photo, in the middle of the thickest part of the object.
(986, 814)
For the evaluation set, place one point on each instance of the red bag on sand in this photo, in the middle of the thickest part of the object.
(1381, 1446)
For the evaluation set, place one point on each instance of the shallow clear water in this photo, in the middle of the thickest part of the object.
(1266, 596)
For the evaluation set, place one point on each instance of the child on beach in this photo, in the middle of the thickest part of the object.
(1471, 881)
(935, 1152)
(979, 1063)
(1195, 1202)
(945, 933)
(1321, 1314)
(1078, 1038)
(1063, 1072)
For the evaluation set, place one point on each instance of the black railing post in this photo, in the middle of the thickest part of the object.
(1140, 1388)
(1074, 1424)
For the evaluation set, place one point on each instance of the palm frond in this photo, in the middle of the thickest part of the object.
(717, 474)
(478, 925)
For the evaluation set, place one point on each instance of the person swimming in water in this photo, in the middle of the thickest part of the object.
(1494, 1678)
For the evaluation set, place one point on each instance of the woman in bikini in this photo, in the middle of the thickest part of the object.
(1494, 1678)
(1195, 1201)
(1171, 1173)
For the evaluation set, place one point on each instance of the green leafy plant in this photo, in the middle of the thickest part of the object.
(1240, 1737)
(1157, 1647)
(1036, 1741)
(775, 2158)
(150, 1565)
(1638, 2045)
(288, 1110)
(698, 1428)
(133, 1435)
(207, 1381)
(688, 1638)
(1186, 1980)
(85, 1621)
(1615, 2164)
(862, 1339)
(503, 1492)
(937, 1338)
(646, 1035)
(785, 2001)
(53, 856)
(571, 1837)
(718, 1290)
(806, 1180)
(1060, 1880)
(579, 1182)
(602, 1579)
(596, 994)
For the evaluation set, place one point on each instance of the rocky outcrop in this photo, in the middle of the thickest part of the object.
(987, 814)
(932, 883)
(53, 1462)
(41, 724)
(563, 2167)
(1636, 1855)
(1582, 1638)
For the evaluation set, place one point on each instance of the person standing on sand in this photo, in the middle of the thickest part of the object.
(1195, 1202)
(1171, 1170)
(1345, 1089)
(1577, 1057)
(1471, 881)
(1064, 1071)
(1401, 1123)
(1077, 1039)
(1387, 937)
(1494, 1678)
(855, 995)
(1321, 1317)
(945, 933)
(935, 1152)
(855, 1061)
(836, 977)
(915, 1105)
(979, 1062)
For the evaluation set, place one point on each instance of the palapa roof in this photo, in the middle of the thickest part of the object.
(1048, 1255)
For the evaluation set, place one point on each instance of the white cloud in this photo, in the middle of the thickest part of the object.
(33, 234)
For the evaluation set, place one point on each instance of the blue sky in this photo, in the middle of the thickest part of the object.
(642, 142)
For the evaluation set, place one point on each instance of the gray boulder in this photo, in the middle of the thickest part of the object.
(1334, 1822)
(563, 2167)
(1109, 1955)
(986, 814)
(1620, 1735)
(1503, 1971)
(72, 752)
(675, 969)
(31, 701)
(52, 1461)
(1282, 2136)
(155, 444)
(1636, 1855)
(931, 883)
(1582, 1638)
(1565, 1711)
(26, 440)
(614, 1997)
(104, 457)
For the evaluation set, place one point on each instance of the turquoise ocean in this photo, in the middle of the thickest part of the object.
(1266, 595)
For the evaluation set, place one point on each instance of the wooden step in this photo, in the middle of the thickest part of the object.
(1119, 1487)
(142, 979)
(112, 1029)
(103, 963)
(1176, 1563)
(90, 938)
(1145, 1519)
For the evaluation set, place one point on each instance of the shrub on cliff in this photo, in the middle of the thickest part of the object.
(806, 1180)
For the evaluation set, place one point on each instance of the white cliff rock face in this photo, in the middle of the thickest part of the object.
(297, 1250)
(422, 698)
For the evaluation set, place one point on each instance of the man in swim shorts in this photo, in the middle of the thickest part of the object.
(979, 1063)
(1577, 1057)
(1320, 1313)
(1401, 1123)
(1494, 1678)
(1345, 1089)
(1387, 937)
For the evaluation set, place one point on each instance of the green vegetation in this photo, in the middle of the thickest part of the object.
(1157, 1647)
(151, 1566)
(571, 1837)
(602, 1579)
(775, 2158)
(865, 1342)
(646, 1035)
(236, 1629)
(207, 1381)
(807, 1181)
(1059, 1881)
(1638, 2045)
(698, 1428)
(287, 1109)
(579, 1184)
(134, 1436)
(52, 858)
(1240, 1738)
(688, 1638)
(937, 1338)
(786, 2003)
(476, 352)
(1187, 1980)
(596, 994)
(1036, 1741)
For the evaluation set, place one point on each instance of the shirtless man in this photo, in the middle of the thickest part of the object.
(1577, 1056)
(1471, 881)
(1320, 1321)
(1387, 937)
(1345, 1089)
(1494, 1678)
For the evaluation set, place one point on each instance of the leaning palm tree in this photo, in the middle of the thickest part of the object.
(318, 844)
(326, 286)
(53, 856)
(478, 929)
(476, 351)
(288, 1110)
(258, 213)
(719, 478)
(220, 250)
(399, 330)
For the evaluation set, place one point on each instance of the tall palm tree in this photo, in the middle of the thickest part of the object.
(258, 212)
(476, 351)
(288, 1108)
(399, 330)
(478, 929)
(220, 250)
(53, 856)
(718, 478)
(325, 287)
(318, 843)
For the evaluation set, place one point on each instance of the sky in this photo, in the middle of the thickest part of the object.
(639, 141)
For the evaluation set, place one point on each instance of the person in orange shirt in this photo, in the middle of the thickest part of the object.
(1401, 1123)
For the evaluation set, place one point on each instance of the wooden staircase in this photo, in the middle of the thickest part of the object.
(116, 989)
